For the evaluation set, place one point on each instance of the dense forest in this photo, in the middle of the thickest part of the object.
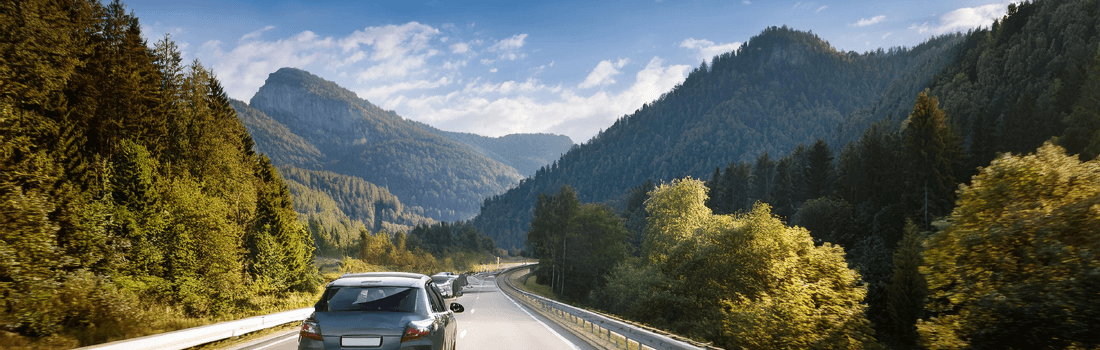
(782, 88)
(968, 224)
(132, 198)
(336, 207)
(310, 123)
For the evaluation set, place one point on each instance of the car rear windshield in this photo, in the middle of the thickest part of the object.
(441, 279)
(391, 299)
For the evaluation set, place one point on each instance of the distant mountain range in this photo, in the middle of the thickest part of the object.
(375, 166)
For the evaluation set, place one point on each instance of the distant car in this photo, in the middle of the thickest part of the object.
(383, 311)
(444, 283)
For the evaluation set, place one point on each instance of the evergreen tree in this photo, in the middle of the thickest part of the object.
(932, 152)
(819, 169)
(763, 183)
(907, 288)
(1082, 134)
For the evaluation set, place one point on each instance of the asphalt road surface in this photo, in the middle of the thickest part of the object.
(491, 321)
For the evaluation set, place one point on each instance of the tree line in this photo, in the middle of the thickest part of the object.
(920, 202)
(1006, 265)
(131, 193)
(782, 88)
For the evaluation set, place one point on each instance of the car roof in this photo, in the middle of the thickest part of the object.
(395, 279)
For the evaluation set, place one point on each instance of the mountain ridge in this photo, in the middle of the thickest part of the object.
(306, 122)
(782, 88)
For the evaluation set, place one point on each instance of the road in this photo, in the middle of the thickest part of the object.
(491, 321)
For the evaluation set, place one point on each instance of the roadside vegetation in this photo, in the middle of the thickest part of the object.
(1005, 261)
(132, 201)
(971, 224)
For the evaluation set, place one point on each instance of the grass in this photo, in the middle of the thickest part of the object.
(529, 284)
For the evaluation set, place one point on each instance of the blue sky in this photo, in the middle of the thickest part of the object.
(501, 67)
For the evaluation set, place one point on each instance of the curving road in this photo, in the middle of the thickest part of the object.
(492, 321)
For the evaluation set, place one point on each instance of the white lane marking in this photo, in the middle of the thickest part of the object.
(463, 335)
(288, 337)
(540, 322)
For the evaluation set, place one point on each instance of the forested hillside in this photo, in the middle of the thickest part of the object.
(971, 220)
(131, 199)
(353, 137)
(335, 207)
(782, 88)
(524, 152)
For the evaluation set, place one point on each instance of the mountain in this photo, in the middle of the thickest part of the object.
(524, 152)
(782, 88)
(307, 124)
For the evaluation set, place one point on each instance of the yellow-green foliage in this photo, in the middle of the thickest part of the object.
(127, 183)
(1017, 267)
(741, 281)
(676, 211)
(382, 252)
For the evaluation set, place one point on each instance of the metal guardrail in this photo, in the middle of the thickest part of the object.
(186, 338)
(617, 333)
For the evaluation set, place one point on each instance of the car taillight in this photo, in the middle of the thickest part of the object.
(311, 330)
(417, 330)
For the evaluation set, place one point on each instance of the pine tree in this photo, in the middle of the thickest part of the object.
(907, 287)
(1082, 135)
(819, 169)
(932, 152)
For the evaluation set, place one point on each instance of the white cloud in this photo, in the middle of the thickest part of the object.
(746, 2)
(460, 48)
(377, 54)
(509, 49)
(822, 8)
(395, 50)
(403, 68)
(601, 75)
(398, 68)
(381, 93)
(244, 68)
(707, 49)
(256, 34)
(515, 42)
(966, 18)
(863, 22)
(452, 65)
(578, 116)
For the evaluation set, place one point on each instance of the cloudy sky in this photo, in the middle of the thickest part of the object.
(501, 67)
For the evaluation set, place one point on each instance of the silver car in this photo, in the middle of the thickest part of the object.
(444, 283)
(381, 310)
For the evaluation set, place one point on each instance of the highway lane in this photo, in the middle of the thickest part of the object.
(491, 321)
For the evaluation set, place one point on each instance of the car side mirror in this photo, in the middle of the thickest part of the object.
(457, 308)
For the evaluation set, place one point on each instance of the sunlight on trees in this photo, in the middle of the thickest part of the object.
(774, 288)
(1017, 267)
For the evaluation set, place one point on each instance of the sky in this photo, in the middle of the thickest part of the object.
(502, 67)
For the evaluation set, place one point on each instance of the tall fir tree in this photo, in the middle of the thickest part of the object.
(932, 154)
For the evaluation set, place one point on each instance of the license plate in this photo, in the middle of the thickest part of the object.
(360, 341)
